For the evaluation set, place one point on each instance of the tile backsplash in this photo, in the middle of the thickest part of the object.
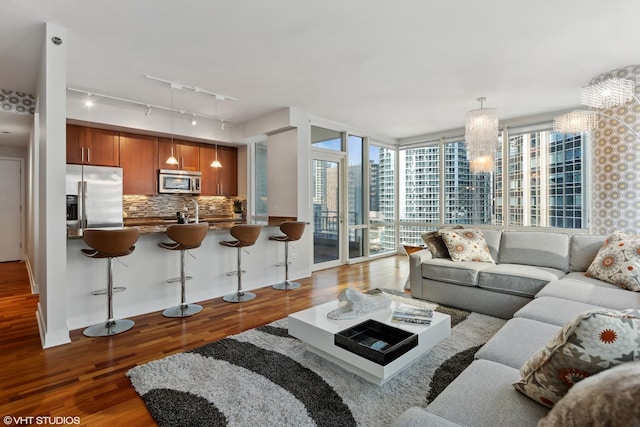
(166, 205)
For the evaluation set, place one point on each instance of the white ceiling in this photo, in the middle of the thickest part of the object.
(393, 69)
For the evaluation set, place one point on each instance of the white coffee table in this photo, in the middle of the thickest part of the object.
(312, 327)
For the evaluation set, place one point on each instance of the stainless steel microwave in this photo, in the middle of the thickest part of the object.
(176, 181)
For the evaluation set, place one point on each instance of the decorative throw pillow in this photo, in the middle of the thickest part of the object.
(618, 261)
(596, 340)
(466, 245)
(435, 244)
(609, 398)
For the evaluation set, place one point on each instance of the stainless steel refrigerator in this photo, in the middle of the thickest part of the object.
(94, 197)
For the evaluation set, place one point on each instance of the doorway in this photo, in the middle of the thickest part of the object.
(11, 209)
(327, 180)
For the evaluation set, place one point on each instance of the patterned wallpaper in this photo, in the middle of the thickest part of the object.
(166, 205)
(17, 102)
(615, 177)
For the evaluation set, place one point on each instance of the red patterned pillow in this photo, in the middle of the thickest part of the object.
(596, 340)
(618, 261)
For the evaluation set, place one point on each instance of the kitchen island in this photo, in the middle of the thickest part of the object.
(145, 272)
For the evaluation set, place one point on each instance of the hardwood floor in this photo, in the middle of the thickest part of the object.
(86, 378)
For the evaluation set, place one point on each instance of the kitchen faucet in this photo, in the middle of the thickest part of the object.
(186, 209)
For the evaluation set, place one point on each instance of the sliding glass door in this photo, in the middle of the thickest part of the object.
(327, 174)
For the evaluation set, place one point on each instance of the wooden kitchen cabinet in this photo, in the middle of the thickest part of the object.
(219, 181)
(139, 162)
(229, 181)
(92, 146)
(187, 154)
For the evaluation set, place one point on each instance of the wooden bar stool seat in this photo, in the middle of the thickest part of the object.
(293, 231)
(185, 237)
(246, 235)
(109, 244)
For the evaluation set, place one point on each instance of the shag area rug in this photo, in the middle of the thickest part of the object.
(264, 377)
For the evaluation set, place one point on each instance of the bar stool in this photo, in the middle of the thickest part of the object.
(247, 235)
(109, 244)
(292, 231)
(185, 237)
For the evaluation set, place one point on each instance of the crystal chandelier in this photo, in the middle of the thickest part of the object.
(607, 94)
(576, 122)
(481, 136)
(604, 95)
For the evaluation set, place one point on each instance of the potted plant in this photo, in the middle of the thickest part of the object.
(237, 208)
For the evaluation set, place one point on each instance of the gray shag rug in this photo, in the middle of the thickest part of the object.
(264, 377)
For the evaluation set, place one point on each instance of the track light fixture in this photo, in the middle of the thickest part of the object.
(89, 101)
(148, 107)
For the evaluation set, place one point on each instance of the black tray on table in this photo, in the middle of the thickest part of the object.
(376, 341)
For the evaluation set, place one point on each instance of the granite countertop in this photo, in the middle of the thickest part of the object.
(159, 225)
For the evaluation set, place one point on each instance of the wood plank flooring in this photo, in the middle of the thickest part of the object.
(86, 378)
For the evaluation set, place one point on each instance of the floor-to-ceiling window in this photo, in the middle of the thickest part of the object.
(538, 175)
(363, 215)
(356, 203)
(382, 203)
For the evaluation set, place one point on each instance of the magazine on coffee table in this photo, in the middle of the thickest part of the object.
(411, 314)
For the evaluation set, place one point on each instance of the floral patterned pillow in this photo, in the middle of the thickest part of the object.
(596, 340)
(466, 245)
(618, 261)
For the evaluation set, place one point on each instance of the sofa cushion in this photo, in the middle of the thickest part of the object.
(460, 273)
(618, 261)
(583, 250)
(596, 340)
(516, 342)
(482, 395)
(609, 398)
(552, 310)
(517, 279)
(577, 287)
(535, 248)
(492, 238)
(466, 245)
(435, 244)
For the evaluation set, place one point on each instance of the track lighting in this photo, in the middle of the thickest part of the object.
(193, 121)
(148, 107)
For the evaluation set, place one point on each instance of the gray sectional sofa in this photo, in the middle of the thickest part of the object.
(538, 283)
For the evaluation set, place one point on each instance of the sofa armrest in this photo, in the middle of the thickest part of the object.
(415, 270)
(419, 417)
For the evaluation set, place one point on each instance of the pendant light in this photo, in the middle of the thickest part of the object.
(216, 163)
(172, 159)
(481, 136)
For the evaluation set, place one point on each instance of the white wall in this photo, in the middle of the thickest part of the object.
(50, 216)
(282, 173)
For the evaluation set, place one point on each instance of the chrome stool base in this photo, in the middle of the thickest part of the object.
(239, 297)
(111, 327)
(286, 285)
(182, 310)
